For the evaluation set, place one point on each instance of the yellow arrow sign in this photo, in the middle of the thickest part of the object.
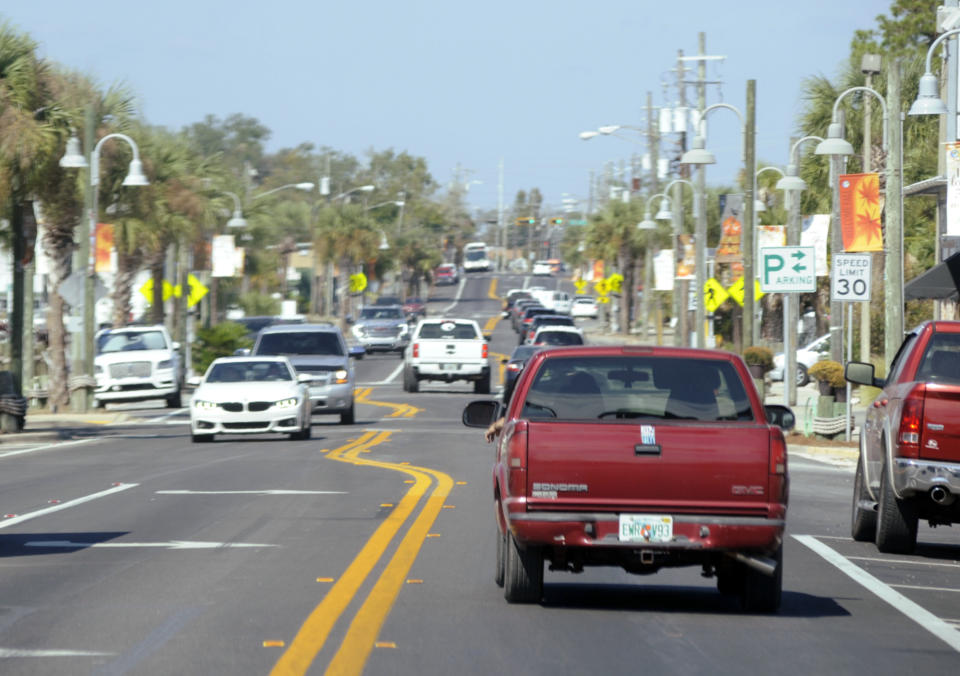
(358, 282)
(147, 290)
(736, 291)
(197, 290)
(581, 285)
(713, 295)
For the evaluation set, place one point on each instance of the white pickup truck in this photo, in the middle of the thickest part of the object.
(447, 350)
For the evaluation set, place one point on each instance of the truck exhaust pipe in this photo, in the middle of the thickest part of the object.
(942, 496)
(760, 564)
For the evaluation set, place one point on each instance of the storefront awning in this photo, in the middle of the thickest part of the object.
(940, 282)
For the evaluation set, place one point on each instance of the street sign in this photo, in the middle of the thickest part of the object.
(788, 269)
(147, 290)
(614, 282)
(197, 290)
(851, 277)
(602, 287)
(736, 291)
(713, 295)
(358, 282)
(581, 285)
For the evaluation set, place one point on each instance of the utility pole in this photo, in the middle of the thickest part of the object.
(681, 288)
(869, 65)
(653, 144)
(893, 289)
(750, 192)
(837, 165)
(791, 301)
(700, 232)
(78, 395)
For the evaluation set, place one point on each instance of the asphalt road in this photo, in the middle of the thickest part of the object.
(370, 549)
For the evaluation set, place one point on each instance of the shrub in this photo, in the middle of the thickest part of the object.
(758, 355)
(259, 304)
(829, 372)
(221, 340)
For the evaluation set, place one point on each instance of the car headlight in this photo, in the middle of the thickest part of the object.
(203, 405)
(165, 364)
(286, 403)
(340, 376)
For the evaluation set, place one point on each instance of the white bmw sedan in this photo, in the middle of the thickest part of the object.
(251, 395)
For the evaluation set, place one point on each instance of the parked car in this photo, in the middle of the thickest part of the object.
(601, 460)
(558, 335)
(382, 327)
(584, 306)
(542, 268)
(137, 363)
(909, 465)
(319, 351)
(447, 350)
(807, 356)
(415, 308)
(445, 273)
(251, 395)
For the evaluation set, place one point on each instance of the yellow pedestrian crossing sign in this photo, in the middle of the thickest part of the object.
(358, 282)
(602, 287)
(713, 295)
(614, 282)
(581, 285)
(736, 291)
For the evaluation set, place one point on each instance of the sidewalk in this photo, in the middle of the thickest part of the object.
(45, 427)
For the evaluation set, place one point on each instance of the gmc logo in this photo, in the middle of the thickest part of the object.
(747, 490)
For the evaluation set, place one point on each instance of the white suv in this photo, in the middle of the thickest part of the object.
(136, 363)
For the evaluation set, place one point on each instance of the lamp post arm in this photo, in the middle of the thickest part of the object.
(95, 155)
(270, 192)
(776, 169)
(743, 129)
(795, 160)
(868, 90)
(236, 200)
(941, 38)
(662, 195)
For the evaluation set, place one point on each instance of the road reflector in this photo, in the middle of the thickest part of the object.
(449, 507)
(433, 535)
(414, 581)
(274, 644)
(408, 481)
(324, 579)
(461, 483)
(384, 644)
(405, 462)
(386, 504)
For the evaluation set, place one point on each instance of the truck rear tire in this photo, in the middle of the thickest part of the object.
(523, 573)
(863, 522)
(482, 386)
(410, 382)
(501, 558)
(761, 592)
(896, 520)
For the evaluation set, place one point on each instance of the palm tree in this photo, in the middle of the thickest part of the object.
(612, 235)
(345, 235)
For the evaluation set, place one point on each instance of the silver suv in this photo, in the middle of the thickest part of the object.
(320, 351)
(382, 327)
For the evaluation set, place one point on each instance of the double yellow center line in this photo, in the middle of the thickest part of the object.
(399, 410)
(365, 626)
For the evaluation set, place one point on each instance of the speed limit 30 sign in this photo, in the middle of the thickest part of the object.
(850, 280)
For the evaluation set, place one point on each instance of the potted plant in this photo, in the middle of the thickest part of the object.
(829, 376)
(759, 360)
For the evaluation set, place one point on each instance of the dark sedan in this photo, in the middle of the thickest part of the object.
(515, 364)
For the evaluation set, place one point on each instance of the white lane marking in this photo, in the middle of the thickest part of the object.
(903, 562)
(393, 376)
(942, 630)
(44, 447)
(263, 492)
(456, 298)
(64, 505)
(173, 544)
(19, 652)
(916, 586)
(161, 418)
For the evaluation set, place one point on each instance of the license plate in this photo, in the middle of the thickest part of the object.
(449, 367)
(646, 528)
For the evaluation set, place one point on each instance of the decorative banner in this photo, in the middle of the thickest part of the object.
(953, 188)
(597, 270)
(688, 259)
(104, 246)
(224, 258)
(860, 212)
(663, 270)
(771, 235)
(816, 231)
(728, 251)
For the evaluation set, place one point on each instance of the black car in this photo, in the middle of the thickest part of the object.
(527, 317)
(516, 312)
(515, 364)
(545, 320)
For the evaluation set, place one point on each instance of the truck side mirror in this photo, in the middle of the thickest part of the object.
(861, 373)
(781, 416)
(481, 413)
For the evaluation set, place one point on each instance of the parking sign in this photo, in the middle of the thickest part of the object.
(851, 277)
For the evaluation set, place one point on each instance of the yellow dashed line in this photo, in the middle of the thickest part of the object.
(274, 644)
(384, 644)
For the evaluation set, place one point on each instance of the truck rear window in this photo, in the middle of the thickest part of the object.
(941, 361)
(623, 387)
(448, 331)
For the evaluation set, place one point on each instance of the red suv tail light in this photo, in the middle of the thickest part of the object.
(416, 350)
(778, 453)
(516, 458)
(911, 423)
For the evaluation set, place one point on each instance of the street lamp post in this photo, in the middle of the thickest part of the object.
(681, 290)
(83, 382)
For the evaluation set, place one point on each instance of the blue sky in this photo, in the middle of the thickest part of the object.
(457, 83)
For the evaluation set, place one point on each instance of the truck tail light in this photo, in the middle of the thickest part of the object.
(778, 453)
(484, 351)
(416, 350)
(530, 334)
(911, 423)
(515, 457)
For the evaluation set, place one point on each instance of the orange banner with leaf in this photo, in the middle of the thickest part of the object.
(860, 210)
(104, 245)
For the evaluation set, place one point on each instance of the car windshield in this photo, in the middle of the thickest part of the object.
(448, 331)
(584, 301)
(941, 361)
(559, 338)
(129, 341)
(381, 313)
(475, 255)
(305, 342)
(623, 387)
(249, 371)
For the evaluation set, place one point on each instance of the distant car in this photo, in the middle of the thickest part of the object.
(544, 320)
(445, 273)
(382, 327)
(513, 296)
(255, 323)
(415, 308)
(514, 367)
(516, 312)
(137, 363)
(387, 300)
(558, 335)
(544, 268)
(250, 395)
(584, 306)
(807, 356)
(527, 317)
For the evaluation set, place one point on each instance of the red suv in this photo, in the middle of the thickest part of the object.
(445, 274)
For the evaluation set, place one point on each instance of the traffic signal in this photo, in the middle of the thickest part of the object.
(556, 221)
(526, 221)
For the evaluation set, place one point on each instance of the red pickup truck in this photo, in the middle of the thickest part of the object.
(639, 457)
(909, 467)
